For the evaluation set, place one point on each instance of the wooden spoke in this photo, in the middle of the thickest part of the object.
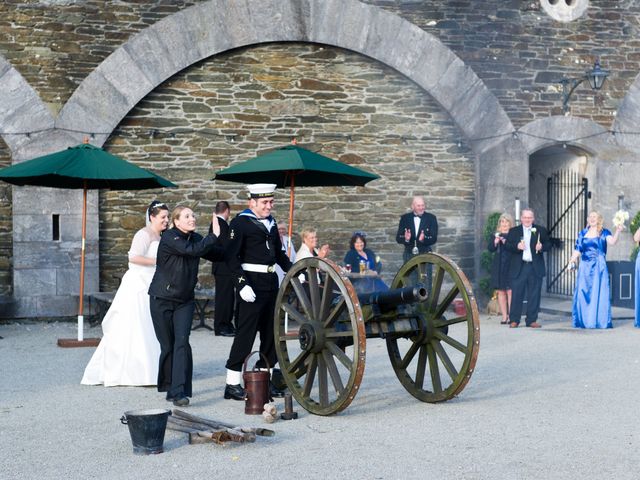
(454, 343)
(448, 300)
(444, 358)
(293, 313)
(422, 366)
(409, 355)
(339, 334)
(298, 362)
(302, 296)
(333, 372)
(323, 385)
(311, 375)
(434, 369)
(314, 291)
(327, 297)
(335, 313)
(435, 288)
(446, 322)
(340, 355)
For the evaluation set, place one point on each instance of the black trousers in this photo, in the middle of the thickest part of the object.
(528, 281)
(224, 302)
(255, 317)
(172, 324)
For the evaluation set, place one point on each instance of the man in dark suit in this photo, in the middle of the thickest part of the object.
(225, 287)
(526, 242)
(417, 231)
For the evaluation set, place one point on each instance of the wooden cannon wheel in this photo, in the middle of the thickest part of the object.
(320, 336)
(446, 342)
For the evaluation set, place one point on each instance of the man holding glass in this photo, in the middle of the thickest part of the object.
(526, 242)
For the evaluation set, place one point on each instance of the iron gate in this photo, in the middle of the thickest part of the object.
(567, 196)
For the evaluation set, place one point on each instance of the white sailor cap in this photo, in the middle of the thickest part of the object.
(261, 190)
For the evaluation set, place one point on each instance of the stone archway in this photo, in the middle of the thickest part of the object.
(155, 54)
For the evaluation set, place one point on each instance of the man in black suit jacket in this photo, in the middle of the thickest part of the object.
(417, 231)
(225, 287)
(526, 242)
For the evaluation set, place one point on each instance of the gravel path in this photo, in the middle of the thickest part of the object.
(554, 403)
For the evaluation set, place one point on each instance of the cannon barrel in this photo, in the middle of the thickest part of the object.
(395, 297)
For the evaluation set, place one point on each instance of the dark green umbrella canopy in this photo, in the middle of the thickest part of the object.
(294, 166)
(307, 168)
(87, 167)
(82, 166)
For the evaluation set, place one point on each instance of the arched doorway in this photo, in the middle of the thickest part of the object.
(559, 194)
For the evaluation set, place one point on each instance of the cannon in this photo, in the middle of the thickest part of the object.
(321, 326)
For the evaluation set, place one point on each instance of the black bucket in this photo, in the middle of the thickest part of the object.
(146, 428)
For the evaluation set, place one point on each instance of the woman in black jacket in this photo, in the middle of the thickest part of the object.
(500, 280)
(172, 294)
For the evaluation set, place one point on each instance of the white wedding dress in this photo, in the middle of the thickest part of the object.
(129, 352)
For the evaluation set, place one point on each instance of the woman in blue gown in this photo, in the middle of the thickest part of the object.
(591, 304)
(360, 254)
(636, 238)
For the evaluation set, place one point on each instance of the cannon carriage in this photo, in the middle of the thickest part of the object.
(321, 326)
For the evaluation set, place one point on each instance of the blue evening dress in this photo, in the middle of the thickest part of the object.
(637, 321)
(591, 303)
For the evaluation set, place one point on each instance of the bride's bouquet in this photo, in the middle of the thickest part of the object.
(620, 218)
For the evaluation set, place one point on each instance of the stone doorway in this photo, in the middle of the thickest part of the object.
(558, 193)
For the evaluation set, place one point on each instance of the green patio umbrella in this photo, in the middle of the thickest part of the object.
(87, 167)
(294, 166)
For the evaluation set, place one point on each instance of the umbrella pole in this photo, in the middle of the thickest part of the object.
(81, 341)
(82, 252)
(291, 201)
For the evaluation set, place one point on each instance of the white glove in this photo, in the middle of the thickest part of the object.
(247, 294)
(302, 278)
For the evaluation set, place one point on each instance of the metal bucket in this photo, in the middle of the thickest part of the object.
(256, 386)
(146, 428)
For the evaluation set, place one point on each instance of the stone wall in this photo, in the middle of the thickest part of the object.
(236, 105)
(183, 129)
(519, 51)
(6, 223)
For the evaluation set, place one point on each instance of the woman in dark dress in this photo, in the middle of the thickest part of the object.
(364, 260)
(500, 265)
(172, 299)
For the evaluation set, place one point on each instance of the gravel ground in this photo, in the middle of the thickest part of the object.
(553, 403)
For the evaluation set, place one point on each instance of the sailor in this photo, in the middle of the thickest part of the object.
(252, 253)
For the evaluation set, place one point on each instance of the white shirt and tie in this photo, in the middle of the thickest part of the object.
(526, 253)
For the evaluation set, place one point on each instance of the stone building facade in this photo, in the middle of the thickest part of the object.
(458, 101)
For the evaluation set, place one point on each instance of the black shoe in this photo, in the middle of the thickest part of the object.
(234, 392)
(225, 332)
(181, 401)
(277, 379)
(275, 392)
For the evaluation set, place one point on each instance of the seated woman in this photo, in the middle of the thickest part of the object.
(308, 249)
(363, 262)
(310, 244)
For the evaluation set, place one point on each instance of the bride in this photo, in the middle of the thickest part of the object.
(129, 352)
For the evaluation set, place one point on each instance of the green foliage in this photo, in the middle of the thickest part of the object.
(486, 257)
(485, 286)
(634, 224)
(490, 226)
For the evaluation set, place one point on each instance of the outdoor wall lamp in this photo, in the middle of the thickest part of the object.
(596, 78)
